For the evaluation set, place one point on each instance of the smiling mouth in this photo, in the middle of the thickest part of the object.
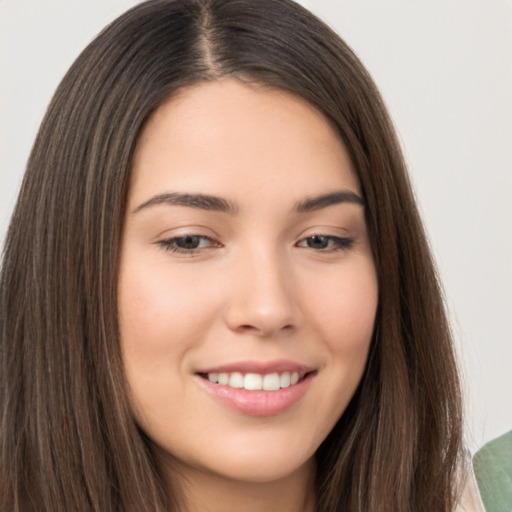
(256, 381)
(268, 390)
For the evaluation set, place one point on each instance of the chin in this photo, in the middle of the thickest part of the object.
(259, 470)
(260, 458)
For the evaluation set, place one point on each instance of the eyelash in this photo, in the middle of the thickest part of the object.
(333, 243)
(338, 243)
(171, 244)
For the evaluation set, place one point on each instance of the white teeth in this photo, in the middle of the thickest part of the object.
(223, 378)
(271, 382)
(284, 380)
(236, 380)
(255, 381)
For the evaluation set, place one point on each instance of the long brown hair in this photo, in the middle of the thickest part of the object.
(68, 439)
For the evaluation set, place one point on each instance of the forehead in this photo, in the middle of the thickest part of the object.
(224, 136)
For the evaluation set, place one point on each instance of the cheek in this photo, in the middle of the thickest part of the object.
(346, 310)
(163, 319)
(347, 316)
(160, 308)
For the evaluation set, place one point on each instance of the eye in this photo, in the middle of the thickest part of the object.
(188, 244)
(326, 243)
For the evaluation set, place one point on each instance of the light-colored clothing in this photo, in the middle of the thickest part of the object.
(470, 500)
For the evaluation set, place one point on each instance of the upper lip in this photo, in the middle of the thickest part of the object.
(261, 367)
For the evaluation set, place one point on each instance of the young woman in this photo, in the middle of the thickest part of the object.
(216, 291)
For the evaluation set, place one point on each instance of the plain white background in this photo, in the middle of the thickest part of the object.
(445, 71)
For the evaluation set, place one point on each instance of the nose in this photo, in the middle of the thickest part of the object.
(262, 300)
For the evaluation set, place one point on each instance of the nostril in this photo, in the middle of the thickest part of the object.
(248, 328)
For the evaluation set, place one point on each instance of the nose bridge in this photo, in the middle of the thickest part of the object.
(262, 296)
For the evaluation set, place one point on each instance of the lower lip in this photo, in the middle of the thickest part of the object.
(258, 403)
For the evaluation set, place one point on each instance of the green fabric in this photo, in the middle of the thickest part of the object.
(493, 471)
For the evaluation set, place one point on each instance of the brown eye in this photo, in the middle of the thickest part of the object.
(317, 242)
(188, 244)
(326, 243)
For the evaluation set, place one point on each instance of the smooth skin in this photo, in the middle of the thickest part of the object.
(250, 277)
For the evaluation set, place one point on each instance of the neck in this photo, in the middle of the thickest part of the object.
(203, 491)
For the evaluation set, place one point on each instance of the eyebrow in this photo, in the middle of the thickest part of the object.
(219, 204)
(323, 201)
(201, 201)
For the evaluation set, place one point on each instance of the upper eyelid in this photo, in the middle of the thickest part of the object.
(183, 231)
(214, 238)
(335, 237)
(331, 232)
(325, 232)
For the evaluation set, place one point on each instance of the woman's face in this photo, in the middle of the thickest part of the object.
(247, 290)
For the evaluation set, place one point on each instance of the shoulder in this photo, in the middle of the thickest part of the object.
(469, 500)
(493, 471)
